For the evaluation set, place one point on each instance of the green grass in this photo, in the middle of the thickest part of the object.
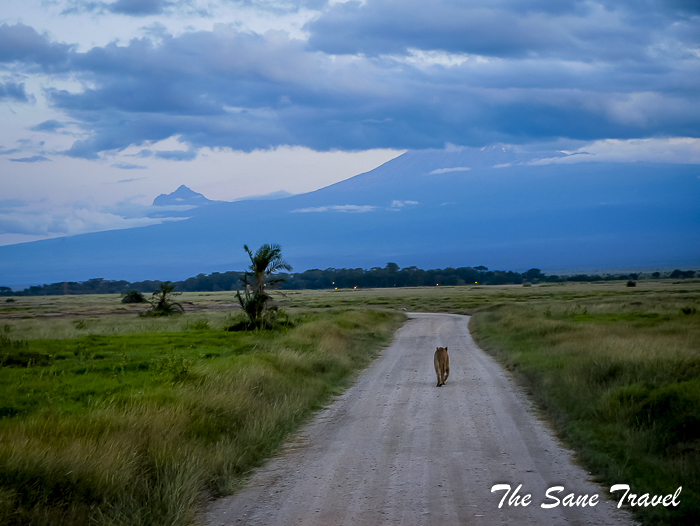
(176, 409)
(619, 377)
(137, 429)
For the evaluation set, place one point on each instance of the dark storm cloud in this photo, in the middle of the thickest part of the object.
(13, 91)
(381, 75)
(574, 30)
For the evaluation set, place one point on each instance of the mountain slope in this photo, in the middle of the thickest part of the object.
(425, 208)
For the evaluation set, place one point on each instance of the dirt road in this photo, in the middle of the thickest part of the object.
(395, 449)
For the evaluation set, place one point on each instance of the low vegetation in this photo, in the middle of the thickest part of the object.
(136, 428)
(133, 296)
(114, 418)
(619, 376)
(163, 301)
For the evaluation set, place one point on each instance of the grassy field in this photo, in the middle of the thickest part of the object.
(176, 408)
(619, 376)
(115, 419)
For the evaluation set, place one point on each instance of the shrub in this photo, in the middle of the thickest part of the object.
(133, 296)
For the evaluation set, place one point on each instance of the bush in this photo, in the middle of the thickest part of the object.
(133, 296)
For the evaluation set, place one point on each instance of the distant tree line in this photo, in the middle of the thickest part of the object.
(389, 276)
(393, 276)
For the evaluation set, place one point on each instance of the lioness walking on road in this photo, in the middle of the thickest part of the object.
(442, 365)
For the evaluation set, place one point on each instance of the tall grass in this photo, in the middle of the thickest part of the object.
(163, 428)
(620, 379)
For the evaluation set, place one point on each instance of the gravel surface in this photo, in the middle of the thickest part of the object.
(395, 449)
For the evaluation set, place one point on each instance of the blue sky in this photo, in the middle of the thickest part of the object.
(106, 104)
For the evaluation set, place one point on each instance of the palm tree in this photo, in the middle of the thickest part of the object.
(260, 275)
(162, 303)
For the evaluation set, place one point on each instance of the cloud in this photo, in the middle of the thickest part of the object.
(128, 166)
(380, 74)
(32, 159)
(9, 152)
(448, 170)
(13, 91)
(400, 204)
(20, 43)
(176, 155)
(131, 180)
(20, 217)
(355, 209)
(677, 150)
(48, 126)
(129, 210)
(69, 222)
(11, 203)
(139, 7)
(572, 29)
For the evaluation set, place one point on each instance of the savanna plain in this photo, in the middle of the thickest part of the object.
(111, 418)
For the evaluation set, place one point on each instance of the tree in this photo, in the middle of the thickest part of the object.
(162, 303)
(533, 274)
(259, 277)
